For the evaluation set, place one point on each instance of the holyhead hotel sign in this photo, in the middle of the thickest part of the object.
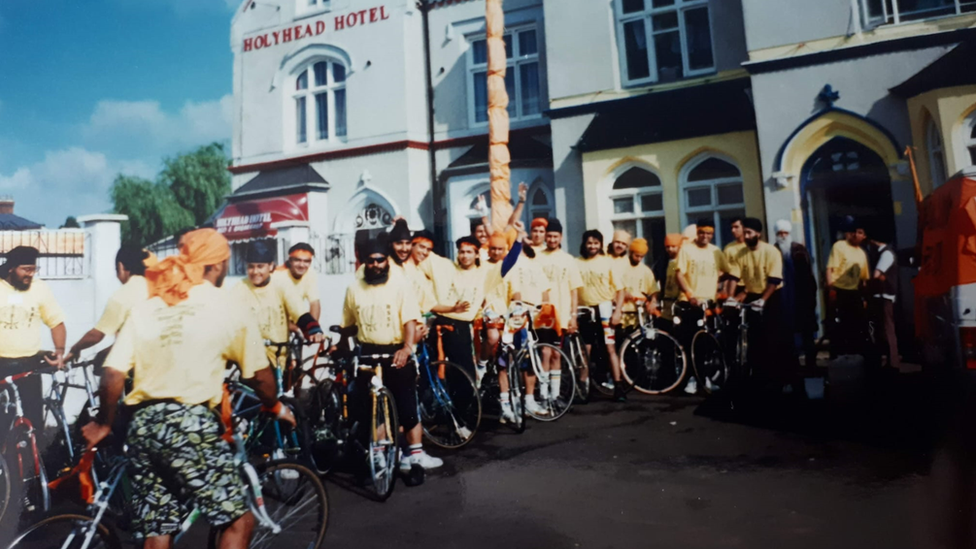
(316, 27)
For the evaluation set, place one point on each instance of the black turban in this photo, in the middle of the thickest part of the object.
(752, 223)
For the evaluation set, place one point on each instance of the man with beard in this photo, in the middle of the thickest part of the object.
(799, 290)
(847, 271)
(757, 269)
(273, 304)
(638, 281)
(603, 293)
(666, 270)
(177, 344)
(298, 272)
(385, 317)
(25, 303)
(620, 246)
(565, 284)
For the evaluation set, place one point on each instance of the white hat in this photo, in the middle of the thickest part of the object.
(783, 226)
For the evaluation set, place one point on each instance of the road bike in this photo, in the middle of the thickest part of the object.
(26, 484)
(503, 364)
(447, 396)
(720, 348)
(652, 360)
(592, 368)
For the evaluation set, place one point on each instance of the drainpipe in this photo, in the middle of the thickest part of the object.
(437, 193)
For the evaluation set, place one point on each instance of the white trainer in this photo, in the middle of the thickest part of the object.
(426, 460)
(533, 407)
(692, 387)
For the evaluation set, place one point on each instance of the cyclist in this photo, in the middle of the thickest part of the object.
(529, 283)
(700, 267)
(666, 269)
(298, 272)
(537, 232)
(130, 266)
(26, 303)
(565, 284)
(603, 293)
(847, 272)
(385, 317)
(757, 269)
(733, 247)
(177, 344)
(273, 304)
(637, 280)
(620, 246)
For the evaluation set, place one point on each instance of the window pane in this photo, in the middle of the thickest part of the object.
(699, 39)
(623, 205)
(508, 46)
(725, 225)
(730, 194)
(972, 155)
(635, 44)
(539, 198)
(481, 97)
(921, 9)
(665, 21)
(701, 196)
(510, 89)
(479, 52)
(321, 71)
(662, 3)
(654, 232)
(633, 6)
(636, 178)
(301, 83)
(972, 134)
(527, 43)
(667, 51)
(322, 112)
(529, 80)
(301, 136)
(652, 202)
(713, 168)
(630, 226)
(340, 113)
(338, 73)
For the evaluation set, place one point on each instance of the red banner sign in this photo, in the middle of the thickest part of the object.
(314, 28)
(253, 218)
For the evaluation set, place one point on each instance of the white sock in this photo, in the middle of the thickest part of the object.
(505, 400)
(555, 379)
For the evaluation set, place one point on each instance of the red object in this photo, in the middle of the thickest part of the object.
(252, 219)
(967, 339)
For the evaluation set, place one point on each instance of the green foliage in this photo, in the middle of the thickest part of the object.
(187, 191)
(70, 223)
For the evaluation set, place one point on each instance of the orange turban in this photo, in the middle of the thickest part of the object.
(673, 239)
(540, 222)
(151, 260)
(503, 240)
(172, 278)
(639, 245)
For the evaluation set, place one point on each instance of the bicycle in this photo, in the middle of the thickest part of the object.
(718, 360)
(591, 371)
(652, 361)
(447, 397)
(279, 495)
(503, 363)
(528, 357)
(69, 445)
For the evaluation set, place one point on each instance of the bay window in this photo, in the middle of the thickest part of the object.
(663, 40)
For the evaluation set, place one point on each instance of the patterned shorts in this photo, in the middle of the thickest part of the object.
(177, 462)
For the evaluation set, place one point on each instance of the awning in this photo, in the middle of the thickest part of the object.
(250, 219)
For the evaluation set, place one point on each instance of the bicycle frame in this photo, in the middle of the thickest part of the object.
(22, 423)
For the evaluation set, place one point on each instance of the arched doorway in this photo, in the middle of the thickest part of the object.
(841, 178)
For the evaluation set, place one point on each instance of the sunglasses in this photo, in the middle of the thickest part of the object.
(375, 260)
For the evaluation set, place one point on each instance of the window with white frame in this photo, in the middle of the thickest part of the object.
(663, 40)
(538, 204)
(881, 12)
(969, 138)
(637, 200)
(309, 7)
(712, 188)
(937, 164)
(522, 76)
(319, 99)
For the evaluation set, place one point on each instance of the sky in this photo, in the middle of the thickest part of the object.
(95, 88)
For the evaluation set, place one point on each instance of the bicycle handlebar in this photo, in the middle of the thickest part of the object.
(47, 370)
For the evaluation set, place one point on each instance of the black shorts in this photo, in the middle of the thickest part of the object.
(548, 335)
(402, 382)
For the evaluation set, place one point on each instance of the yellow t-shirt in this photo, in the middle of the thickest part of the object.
(733, 247)
(563, 273)
(452, 284)
(307, 287)
(754, 268)
(132, 293)
(273, 306)
(396, 271)
(379, 311)
(529, 280)
(498, 289)
(638, 280)
(701, 267)
(849, 264)
(21, 314)
(421, 286)
(599, 285)
(180, 352)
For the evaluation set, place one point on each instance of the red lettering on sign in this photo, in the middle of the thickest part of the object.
(248, 44)
(308, 30)
(286, 35)
(340, 22)
(372, 15)
(383, 14)
(362, 16)
(276, 35)
(298, 32)
(351, 20)
(319, 27)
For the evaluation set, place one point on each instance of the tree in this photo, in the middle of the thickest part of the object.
(152, 210)
(70, 223)
(198, 180)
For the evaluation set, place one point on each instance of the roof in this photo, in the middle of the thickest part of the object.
(656, 117)
(11, 222)
(291, 178)
(524, 148)
(955, 68)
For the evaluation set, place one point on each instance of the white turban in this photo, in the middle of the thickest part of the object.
(783, 226)
(784, 243)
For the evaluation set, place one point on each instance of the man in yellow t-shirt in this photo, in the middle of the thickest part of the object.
(130, 266)
(619, 246)
(637, 281)
(565, 284)
(177, 344)
(273, 304)
(667, 272)
(385, 318)
(537, 234)
(732, 247)
(25, 304)
(603, 294)
(847, 271)
(298, 272)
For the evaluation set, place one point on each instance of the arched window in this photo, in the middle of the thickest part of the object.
(712, 188)
(969, 138)
(638, 207)
(937, 165)
(320, 103)
(539, 205)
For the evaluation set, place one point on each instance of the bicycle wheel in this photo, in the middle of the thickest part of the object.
(296, 501)
(35, 498)
(4, 487)
(450, 409)
(654, 364)
(382, 456)
(709, 361)
(555, 399)
(599, 369)
(578, 358)
(516, 395)
(324, 414)
(66, 532)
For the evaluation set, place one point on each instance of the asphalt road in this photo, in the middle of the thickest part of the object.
(670, 472)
